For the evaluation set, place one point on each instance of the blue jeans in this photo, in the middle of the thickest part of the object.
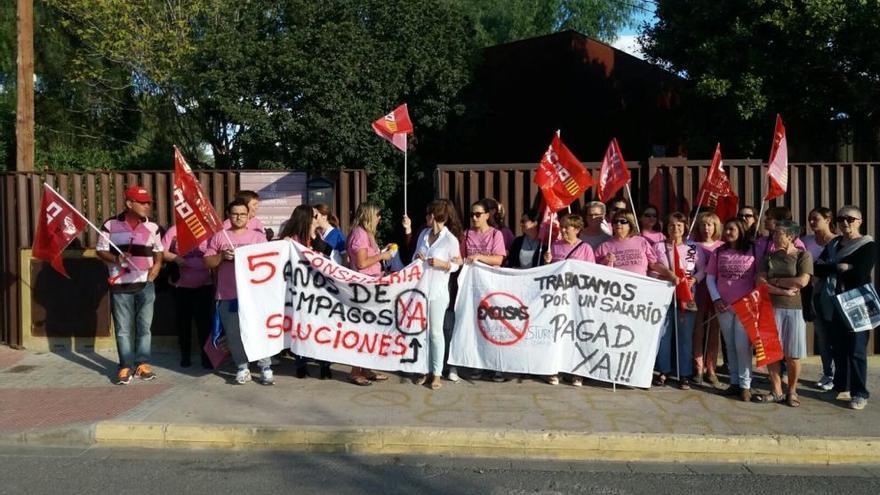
(685, 341)
(229, 319)
(739, 349)
(133, 312)
(824, 346)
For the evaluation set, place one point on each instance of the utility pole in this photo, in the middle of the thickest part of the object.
(24, 114)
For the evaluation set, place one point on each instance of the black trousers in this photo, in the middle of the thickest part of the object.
(850, 352)
(193, 305)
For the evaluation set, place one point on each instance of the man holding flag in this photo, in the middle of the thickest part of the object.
(131, 280)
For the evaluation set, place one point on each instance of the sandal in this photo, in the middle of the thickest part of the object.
(436, 383)
(360, 380)
(420, 380)
(660, 380)
(793, 400)
(375, 377)
(684, 384)
(768, 398)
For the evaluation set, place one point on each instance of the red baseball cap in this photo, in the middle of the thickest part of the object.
(139, 194)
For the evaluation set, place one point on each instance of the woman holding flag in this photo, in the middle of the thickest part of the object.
(706, 332)
(730, 275)
(679, 256)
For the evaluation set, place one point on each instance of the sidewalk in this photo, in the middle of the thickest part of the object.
(70, 399)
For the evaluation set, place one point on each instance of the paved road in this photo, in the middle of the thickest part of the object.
(101, 470)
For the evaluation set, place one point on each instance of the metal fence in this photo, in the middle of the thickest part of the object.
(99, 195)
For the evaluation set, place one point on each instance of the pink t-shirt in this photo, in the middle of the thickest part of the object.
(633, 254)
(765, 246)
(687, 256)
(653, 237)
(580, 250)
(226, 271)
(360, 239)
(508, 236)
(489, 242)
(193, 273)
(734, 273)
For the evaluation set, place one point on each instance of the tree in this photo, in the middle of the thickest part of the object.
(813, 61)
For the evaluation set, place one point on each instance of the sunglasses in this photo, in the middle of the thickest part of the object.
(745, 215)
(621, 221)
(475, 214)
(649, 215)
(847, 219)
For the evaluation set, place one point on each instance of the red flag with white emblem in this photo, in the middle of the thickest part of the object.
(777, 172)
(58, 225)
(394, 127)
(561, 176)
(716, 191)
(194, 215)
(614, 174)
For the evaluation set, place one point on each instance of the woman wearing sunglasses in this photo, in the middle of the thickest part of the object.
(626, 250)
(845, 264)
(650, 226)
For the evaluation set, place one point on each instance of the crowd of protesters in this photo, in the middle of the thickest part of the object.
(720, 262)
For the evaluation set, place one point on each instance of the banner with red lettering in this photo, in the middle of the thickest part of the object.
(194, 216)
(292, 297)
(561, 176)
(755, 312)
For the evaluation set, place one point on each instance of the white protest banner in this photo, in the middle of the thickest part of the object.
(570, 317)
(260, 278)
(329, 312)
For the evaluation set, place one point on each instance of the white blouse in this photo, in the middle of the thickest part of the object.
(445, 248)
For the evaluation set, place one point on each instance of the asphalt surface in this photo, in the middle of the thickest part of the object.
(103, 470)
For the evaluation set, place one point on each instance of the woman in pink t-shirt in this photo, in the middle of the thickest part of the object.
(626, 250)
(650, 226)
(364, 256)
(730, 275)
(707, 336)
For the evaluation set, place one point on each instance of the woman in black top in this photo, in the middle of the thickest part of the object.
(526, 250)
(846, 263)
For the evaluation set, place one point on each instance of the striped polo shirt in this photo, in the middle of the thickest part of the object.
(140, 244)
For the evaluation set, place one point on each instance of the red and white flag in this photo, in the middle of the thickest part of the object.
(716, 191)
(561, 176)
(777, 172)
(194, 216)
(614, 174)
(682, 290)
(58, 224)
(394, 127)
(755, 312)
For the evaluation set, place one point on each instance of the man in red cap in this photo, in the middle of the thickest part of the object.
(131, 280)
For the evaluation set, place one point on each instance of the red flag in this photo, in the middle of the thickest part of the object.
(613, 175)
(682, 291)
(778, 169)
(58, 225)
(755, 312)
(394, 127)
(561, 177)
(716, 191)
(194, 216)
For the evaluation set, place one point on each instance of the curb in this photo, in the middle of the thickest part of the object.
(516, 444)
(69, 436)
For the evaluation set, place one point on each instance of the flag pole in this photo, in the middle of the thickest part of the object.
(99, 231)
(633, 206)
(696, 214)
(550, 232)
(405, 148)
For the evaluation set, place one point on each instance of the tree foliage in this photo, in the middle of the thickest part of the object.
(813, 61)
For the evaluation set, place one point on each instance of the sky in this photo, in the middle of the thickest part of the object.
(627, 37)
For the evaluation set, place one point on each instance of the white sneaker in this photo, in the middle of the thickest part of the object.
(243, 376)
(267, 377)
(452, 376)
(825, 383)
(577, 382)
(858, 403)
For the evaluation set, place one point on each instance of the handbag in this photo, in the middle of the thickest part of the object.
(860, 307)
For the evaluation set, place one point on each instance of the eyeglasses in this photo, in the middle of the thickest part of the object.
(238, 214)
(475, 214)
(847, 219)
(621, 221)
